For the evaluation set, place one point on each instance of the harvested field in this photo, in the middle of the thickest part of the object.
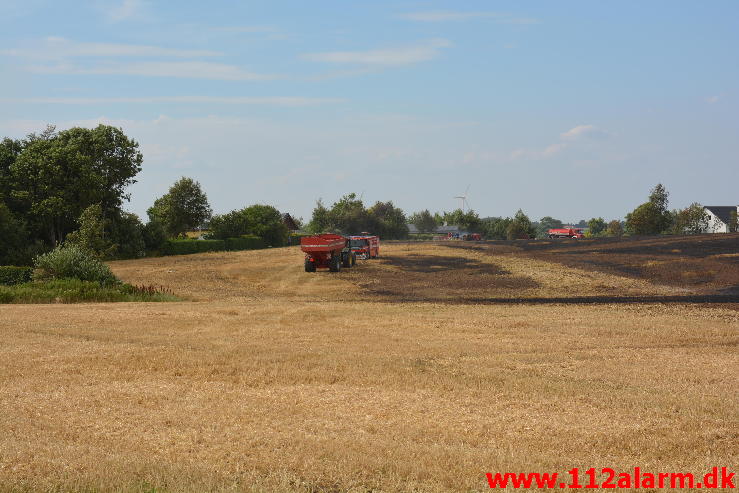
(394, 376)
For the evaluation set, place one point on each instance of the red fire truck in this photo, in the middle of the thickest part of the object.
(365, 246)
(575, 233)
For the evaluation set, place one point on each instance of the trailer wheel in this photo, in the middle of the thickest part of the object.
(310, 266)
(335, 263)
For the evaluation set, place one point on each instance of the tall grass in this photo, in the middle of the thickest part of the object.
(76, 291)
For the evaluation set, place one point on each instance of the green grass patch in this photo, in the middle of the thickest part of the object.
(76, 291)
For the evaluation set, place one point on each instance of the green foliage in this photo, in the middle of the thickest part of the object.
(466, 221)
(10, 275)
(615, 228)
(56, 176)
(647, 219)
(72, 262)
(320, 222)
(13, 238)
(733, 223)
(259, 220)
(246, 242)
(389, 221)
(650, 217)
(91, 234)
(127, 234)
(496, 228)
(154, 236)
(545, 224)
(182, 209)
(76, 291)
(596, 226)
(348, 216)
(520, 227)
(230, 225)
(266, 222)
(691, 220)
(187, 247)
(424, 221)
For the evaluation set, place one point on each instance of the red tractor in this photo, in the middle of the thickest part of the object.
(327, 251)
(575, 233)
(365, 246)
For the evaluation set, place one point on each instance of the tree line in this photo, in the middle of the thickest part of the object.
(68, 187)
(349, 215)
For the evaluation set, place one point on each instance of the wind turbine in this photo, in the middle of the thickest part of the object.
(463, 198)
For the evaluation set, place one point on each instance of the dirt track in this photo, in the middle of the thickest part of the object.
(389, 377)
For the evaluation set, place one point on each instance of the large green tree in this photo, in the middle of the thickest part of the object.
(56, 176)
(467, 221)
(596, 226)
(520, 227)
(390, 221)
(692, 220)
(651, 217)
(424, 221)
(496, 228)
(182, 209)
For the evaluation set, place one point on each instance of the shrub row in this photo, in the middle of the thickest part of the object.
(186, 247)
(247, 242)
(10, 275)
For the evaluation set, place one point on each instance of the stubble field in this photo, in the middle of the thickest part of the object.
(420, 371)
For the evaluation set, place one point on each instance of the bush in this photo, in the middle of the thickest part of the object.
(187, 247)
(10, 275)
(72, 262)
(246, 242)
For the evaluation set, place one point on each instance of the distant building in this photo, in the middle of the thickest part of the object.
(719, 217)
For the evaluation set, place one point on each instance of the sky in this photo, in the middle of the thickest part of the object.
(571, 109)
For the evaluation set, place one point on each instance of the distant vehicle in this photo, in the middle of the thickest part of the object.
(365, 246)
(472, 237)
(327, 251)
(575, 233)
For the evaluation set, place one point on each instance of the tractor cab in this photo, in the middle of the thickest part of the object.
(360, 246)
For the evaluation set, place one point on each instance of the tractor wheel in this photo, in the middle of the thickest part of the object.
(354, 259)
(346, 260)
(310, 266)
(335, 263)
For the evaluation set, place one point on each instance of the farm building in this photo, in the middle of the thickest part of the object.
(719, 217)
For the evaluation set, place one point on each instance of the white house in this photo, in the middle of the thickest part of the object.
(719, 217)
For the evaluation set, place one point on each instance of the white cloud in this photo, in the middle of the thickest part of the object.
(189, 70)
(713, 99)
(583, 131)
(567, 140)
(405, 55)
(444, 16)
(128, 9)
(53, 47)
(268, 101)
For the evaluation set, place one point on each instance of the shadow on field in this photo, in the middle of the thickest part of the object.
(416, 277)
(707, 264)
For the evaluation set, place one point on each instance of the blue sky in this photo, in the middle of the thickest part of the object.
(572, 109)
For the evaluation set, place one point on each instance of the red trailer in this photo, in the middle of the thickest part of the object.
(365, 246)
(327, 251)
(575, 233)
